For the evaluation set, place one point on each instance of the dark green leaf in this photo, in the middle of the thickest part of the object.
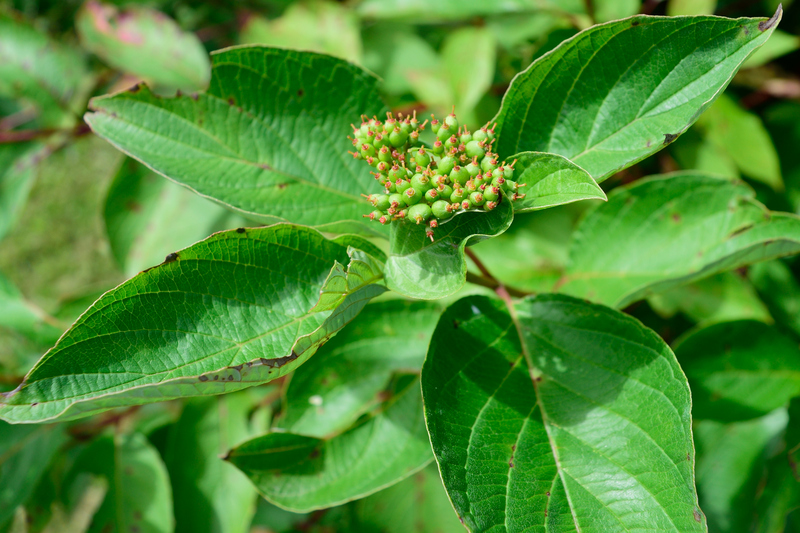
(139, 497)
(25, 453)
(147, 217)
(670, 230)
(739, 370)
(548, 180)
(237, 309)
(268, 138)
(421, 268)
(780, 290)
(345, 378)
(595, 434)
(302, 473)
(618, 92)
(730, 462)
(210, 495)
(36, 69)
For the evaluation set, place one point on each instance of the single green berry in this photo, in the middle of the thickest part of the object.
(444, 132)
(473, 168)
(441, 209)
(412, 196)
(395, 200)
(421, 182)
(435, 125)
(413, 138)
(390, 187)
(380, 141)
(375, 215)
(499, 182)
(491, 193)
(508, 172)
(444, 191)
(445, 165)
(490, 133)
(480, 135)
(451, 121)
(465, 138)
(381, 202)
(459, 175)
(466, 204)
(419, 213)
(489, 162)
(477, 198)
(458, 196)
(451, 142)
(367, 150)
(396, 173)
(402, 186)
(431, 195)
(438, 147)
(471, 186)
(406, 127)
(489, 205)
(421, 158)
(475, 149)
(398, 137)
(403, 213)
(510, 186)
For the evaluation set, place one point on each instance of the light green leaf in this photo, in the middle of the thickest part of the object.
(420, 268)
(240, 308)
(23, 316)
(206, 430)
(147, 217)
(781, 43)
(139, 496)
(17, 164)
(271, 131)
(445, 10)
(670, 230)
(417, 505)
(719, 298)
(619, 92)
(781, 494)
(345, 378)
(548, 180)
(25, 453)
(739, 370)
(594, 435)
(730, 462)
(742, 137)
(678, 8)
(398, 56)
(780, 290)
(697, 152)
(468, 58)
(313, 25)
(302, 473)
(144, 42)
(606, 10)
(40, 71)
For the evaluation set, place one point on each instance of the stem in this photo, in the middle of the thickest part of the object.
(17, 136)
(488, 280)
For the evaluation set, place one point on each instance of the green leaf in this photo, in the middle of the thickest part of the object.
(594, 434)
(606, 10)
(269, 138)
(742, 136)
(781, 43)
(719, 298)
(315, 26)
(678, 8)
(147, 217)
(302, 473)
(670, 230)
(38, 70)
(730, 462)
(144, 42)
(781, 494)
(345, 378)
(420, 268)
(619, 92)
(739, 370)
(548, 180)
(23, 316)
(206, 430)
(25, 453)
(17, 162)
(417, 505)
(445, 10)
(139, 496)
(780, 291)
(468, 59)
(240, 308)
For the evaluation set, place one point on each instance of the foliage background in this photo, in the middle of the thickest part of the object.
(77, 217)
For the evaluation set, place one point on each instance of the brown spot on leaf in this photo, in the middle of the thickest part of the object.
(314, 453)
(203, 378)
(649, 142)
(240, 230)
(135, 88)
(171, 257)
(300, 93)
(455, 324)
(231, 101)
(230, 378)
(676, 217)
(281, 186)
(635, 22)
(194, 96)
(134, 207)
(697, 516)
(767, 24)
(669, 138)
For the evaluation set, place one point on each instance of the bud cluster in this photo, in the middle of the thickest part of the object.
(428, 185)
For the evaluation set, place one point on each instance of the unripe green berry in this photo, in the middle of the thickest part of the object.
(470, 186)
(412, 196)
(398, 137)
(402, 186)
(367, 150)
(508, 172)
(435, 125)
(480, 135)
(473, 168)
(459, 175)
(421, 158)
(395, 200)
(403, 213)
(466, 204)
(499, 182)
(438, 147)
(491, 193)
(405, 127)
(476, 198)
(375, 215)
(465, 138)
(419, 213)
(381, 202)
(451, 121)
(396, 173)
(445, 191)
(413, 138)
(445, 165)
(431, 195)
(441, 209)
(421, 182)
(475, 149)
(489, 205)
(444, 132)
(510, 186)
(380, 142)
(390, 187)
(489, 163)
(458, 196)
(451, 142)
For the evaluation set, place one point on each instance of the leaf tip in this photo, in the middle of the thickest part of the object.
(772, 21)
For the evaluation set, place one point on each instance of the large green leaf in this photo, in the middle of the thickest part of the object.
(346, 377)
(139, 496)
(268, 138)
(206, 430)
(739, 370)
(302, 473)
(38, 70)
(146, 217)
(595, 435)
(548, 180)
(421, 268)
(25, 453)
(239, 308)
(670, 230)
(145, 43)
(618, 92)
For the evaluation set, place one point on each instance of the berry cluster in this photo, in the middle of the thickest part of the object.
(429, 185)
